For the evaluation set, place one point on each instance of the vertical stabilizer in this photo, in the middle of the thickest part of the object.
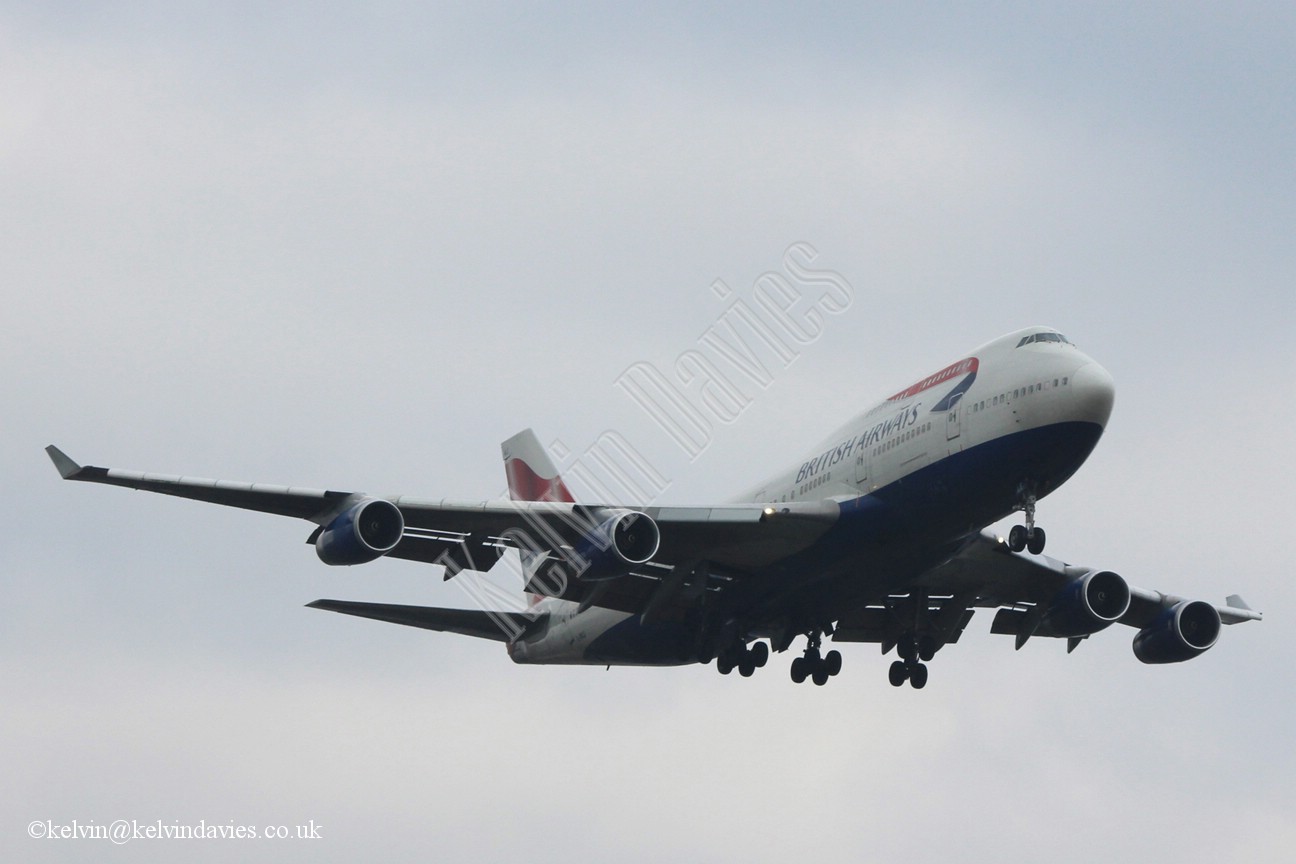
(532, 476)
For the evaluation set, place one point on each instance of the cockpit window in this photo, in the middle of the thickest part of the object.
(1043, 337)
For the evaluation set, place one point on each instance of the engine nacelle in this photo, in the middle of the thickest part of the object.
(1094, 601)
(1180, 633)
(625, 539)
(362, 533)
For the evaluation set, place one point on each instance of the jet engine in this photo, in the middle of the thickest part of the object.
(1180, 633)
(624, 539)
(361, 533)
(1089, 604)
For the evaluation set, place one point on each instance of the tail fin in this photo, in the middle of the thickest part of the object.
(532, 476)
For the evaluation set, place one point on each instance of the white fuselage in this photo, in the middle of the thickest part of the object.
(1012, 389)
(1024, 381)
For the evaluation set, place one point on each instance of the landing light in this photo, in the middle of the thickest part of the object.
(769, 511)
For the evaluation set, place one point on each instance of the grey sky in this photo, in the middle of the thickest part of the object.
(356, 249)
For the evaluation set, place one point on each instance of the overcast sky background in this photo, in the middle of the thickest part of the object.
(356, 249)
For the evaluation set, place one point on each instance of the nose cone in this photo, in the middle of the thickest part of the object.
(1093, 393)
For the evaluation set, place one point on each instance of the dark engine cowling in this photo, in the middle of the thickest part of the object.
(1180, 633)
(1087, 605)
(362, 533)
(625, 539)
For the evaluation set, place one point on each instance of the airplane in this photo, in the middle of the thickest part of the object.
(878, 534)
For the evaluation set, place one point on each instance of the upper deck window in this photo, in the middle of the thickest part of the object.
(1044, 337)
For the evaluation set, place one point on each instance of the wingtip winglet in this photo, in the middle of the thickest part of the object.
(66, 467)
(1236, 610)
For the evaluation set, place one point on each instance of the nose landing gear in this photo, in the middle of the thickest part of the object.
(1027, 536)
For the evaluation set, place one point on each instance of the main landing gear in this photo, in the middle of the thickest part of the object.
(745, 660)
(813, 666)
(1027, 536)
(908, 667)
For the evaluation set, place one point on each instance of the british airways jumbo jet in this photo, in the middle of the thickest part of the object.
(876, 535)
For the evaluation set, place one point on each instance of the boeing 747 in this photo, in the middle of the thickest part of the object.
(877, 534)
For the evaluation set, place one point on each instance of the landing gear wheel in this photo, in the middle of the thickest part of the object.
(746, 667)
(907, 647)
(918, 676)
(812, 664)
(759, 654)
(927, 648)
(898, 674)
(725, 663)
(1026, 536)
(1017, 538)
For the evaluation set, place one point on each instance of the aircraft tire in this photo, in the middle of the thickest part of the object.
(833, 662)
(799, 670)
(820, 676)
(918, 676)
(759, 654)
(1035, 543)
(907, 647)
(926, 648)
(898, 674)
(1017, 538)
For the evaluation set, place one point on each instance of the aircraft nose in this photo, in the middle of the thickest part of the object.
(1093, 392)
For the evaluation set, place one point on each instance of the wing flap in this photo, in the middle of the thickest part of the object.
(946, 618)
(741, 536)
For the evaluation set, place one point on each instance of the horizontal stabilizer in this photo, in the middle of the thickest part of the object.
(497, 626)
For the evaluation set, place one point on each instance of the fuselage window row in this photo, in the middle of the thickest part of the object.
(1019, 393)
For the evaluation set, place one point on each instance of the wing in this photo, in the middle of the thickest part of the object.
(497, 626)
(459, 535)
(1035, 596)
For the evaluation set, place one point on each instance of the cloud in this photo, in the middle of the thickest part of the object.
(355, 250)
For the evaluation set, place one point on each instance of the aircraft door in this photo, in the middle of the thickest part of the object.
(861, 468)
(954, 424)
